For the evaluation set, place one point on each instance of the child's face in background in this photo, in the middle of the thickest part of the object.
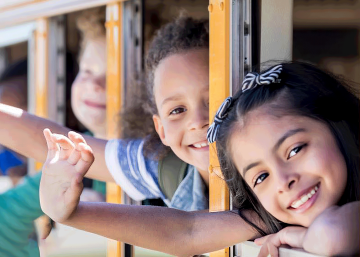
(88, 98)
(181, 89)
(12, 92)
(292, 164)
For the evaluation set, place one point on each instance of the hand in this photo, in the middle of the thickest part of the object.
(292, 236)
(61, 181)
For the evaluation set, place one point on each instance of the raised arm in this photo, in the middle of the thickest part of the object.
(22, 132)
(163, 229)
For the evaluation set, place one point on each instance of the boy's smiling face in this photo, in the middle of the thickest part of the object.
(181, 90)
(292, 164)
(88, 98)
(13, 92)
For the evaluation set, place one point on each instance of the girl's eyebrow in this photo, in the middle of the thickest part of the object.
(250, 166)
(287, 135)
(276, 147)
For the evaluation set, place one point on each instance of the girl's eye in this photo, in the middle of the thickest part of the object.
(295, 151)
(260, 179)
(177, 111)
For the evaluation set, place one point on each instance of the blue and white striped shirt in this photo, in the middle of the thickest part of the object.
(137, 175)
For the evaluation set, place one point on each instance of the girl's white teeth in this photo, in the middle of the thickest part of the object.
(304, 198)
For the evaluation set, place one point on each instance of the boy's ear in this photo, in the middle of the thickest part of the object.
(159, 128)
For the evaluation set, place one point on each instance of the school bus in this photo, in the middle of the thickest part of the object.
(243, 33)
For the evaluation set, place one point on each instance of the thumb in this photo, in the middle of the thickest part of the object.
(76, 187)
(46, 231)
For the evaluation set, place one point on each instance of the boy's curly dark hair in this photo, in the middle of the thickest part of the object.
(181, 35)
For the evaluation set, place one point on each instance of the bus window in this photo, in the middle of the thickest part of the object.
(331, 43)
(13, 91)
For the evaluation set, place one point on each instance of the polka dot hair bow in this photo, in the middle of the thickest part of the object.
(253, 79)
(219, 117)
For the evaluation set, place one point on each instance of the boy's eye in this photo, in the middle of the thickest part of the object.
(295, 151)
(260, 179)
(177, 111)
(83, 75)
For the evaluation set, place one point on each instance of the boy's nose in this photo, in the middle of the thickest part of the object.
(199, 120)
(98, 84)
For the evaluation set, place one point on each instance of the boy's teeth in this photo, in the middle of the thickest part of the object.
(304, 198)
(201, 145)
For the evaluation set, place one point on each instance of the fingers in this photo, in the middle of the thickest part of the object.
(269, 250)
(74, 150)
(273, 250)
(53, 148)
(264, 251)
(66, 146)
(270, 245)
(261, 240)
(74, 156)
(87, 158)
(76, 138)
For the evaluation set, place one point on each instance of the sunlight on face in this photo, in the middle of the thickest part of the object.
(181, 89)
(292, 164)
(88, 98)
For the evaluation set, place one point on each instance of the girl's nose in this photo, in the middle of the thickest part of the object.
(286, 180)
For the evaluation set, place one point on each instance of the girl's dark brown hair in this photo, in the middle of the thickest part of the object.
(181, 35)
(304, 90)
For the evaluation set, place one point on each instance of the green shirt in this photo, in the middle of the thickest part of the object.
(19, 207)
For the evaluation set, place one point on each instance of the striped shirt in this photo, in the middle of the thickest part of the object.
(137, 175)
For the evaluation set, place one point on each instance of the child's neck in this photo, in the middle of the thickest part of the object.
(99, 135)
(204, 175)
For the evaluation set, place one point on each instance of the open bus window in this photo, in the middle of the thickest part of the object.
(13, 91)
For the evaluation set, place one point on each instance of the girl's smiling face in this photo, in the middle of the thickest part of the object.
(181, 90)
(292, 164)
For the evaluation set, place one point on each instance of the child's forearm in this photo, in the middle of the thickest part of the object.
(23, 133)
(163, 229)
(335, 231)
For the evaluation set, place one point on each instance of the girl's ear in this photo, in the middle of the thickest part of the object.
(159, 128)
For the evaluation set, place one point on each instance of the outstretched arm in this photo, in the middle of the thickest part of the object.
(168, 230)
(22, 132)
(163, 229)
